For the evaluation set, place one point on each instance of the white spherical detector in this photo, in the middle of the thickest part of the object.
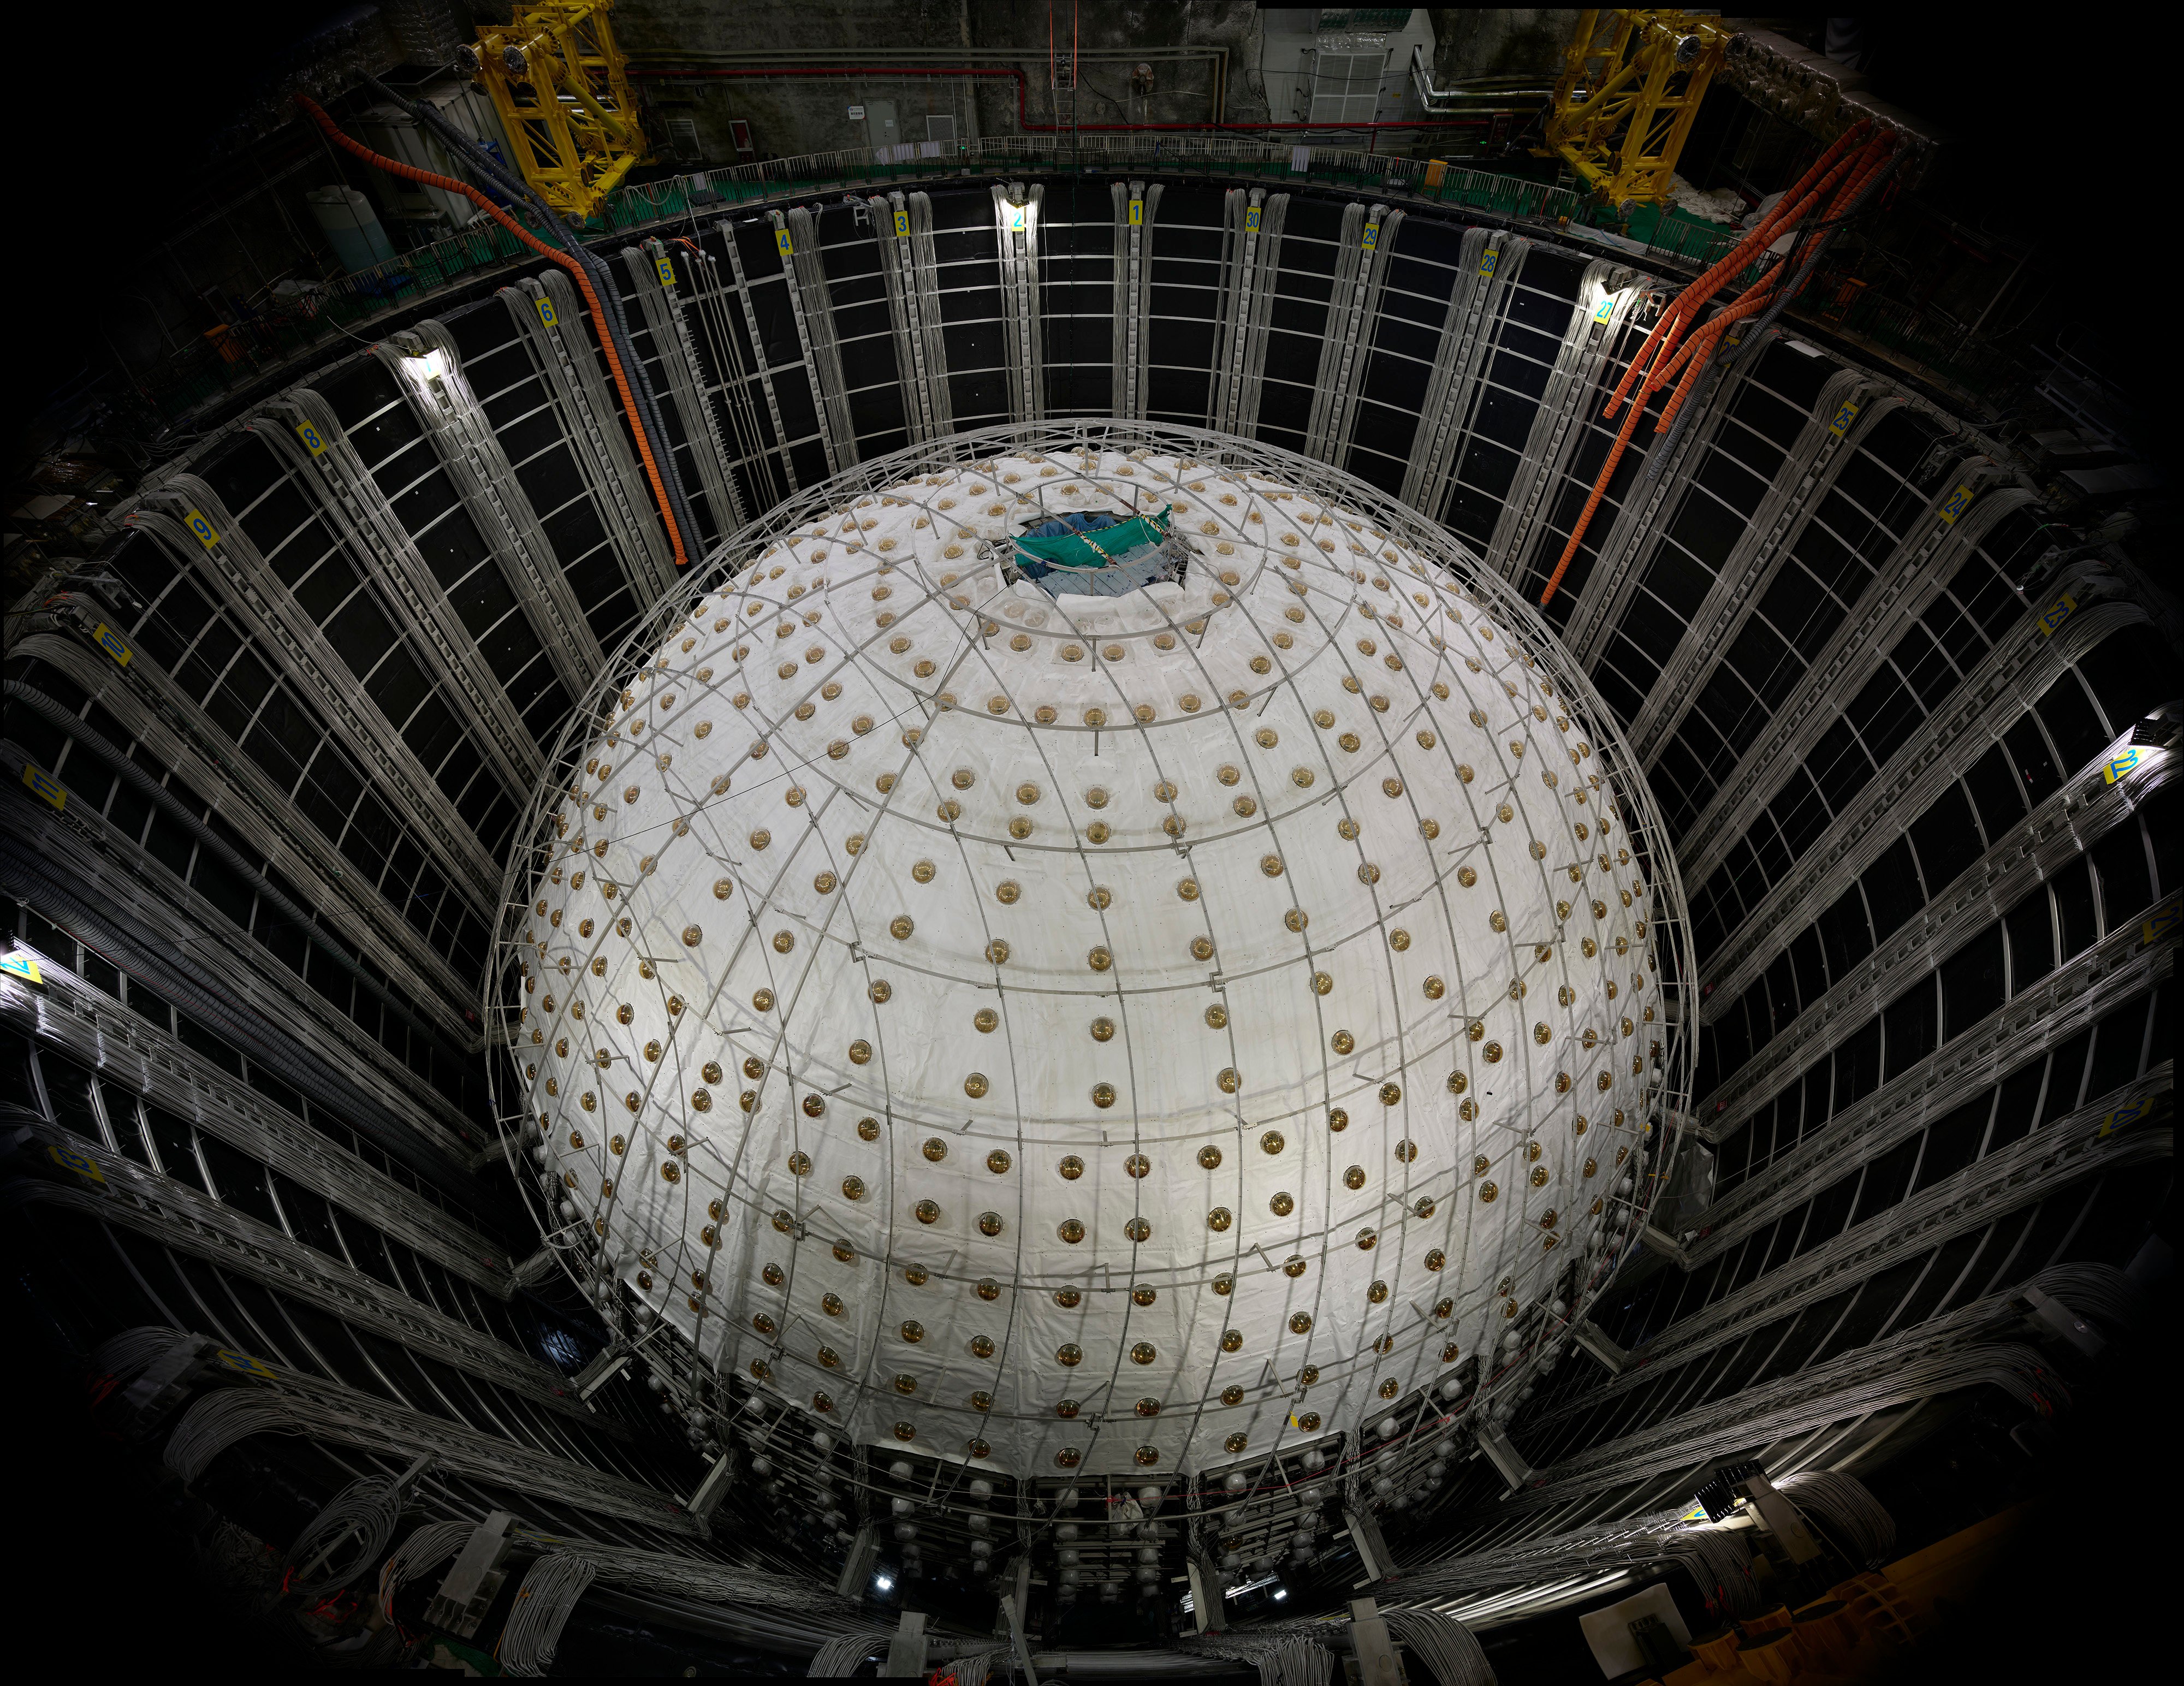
(1082, 1033)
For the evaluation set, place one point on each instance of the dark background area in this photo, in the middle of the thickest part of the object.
(134, 110)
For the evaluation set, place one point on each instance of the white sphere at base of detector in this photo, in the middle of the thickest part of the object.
(1017, 1026)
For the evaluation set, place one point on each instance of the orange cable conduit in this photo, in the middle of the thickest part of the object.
(1666, 353)
(317, 114)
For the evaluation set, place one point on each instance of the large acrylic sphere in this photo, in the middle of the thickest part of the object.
(1084, 1032)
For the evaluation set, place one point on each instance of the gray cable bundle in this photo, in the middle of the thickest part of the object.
(974, 1668)
(128, 1354)
(549, 1592)
(2098, 1291)
(1283, 1659)
(1449, 1651)
(843, 1653)
(216, 1420)
(713, 1582)
(367, 1511)
(1850, 1517)
(426, 1548)
(1716, 1558)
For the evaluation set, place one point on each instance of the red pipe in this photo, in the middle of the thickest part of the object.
(317, 114)
(1023, 118)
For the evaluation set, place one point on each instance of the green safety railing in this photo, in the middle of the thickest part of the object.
(283, 331)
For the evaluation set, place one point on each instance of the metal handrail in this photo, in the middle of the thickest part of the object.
(255, 347)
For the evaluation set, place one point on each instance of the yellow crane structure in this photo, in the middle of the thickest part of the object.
(1630, 85)
(561, 87)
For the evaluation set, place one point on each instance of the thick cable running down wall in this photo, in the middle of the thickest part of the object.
(1847, 1515)
(549, 1592)
(1716, 1558)
(1449, 1651)
(1285, 1656)
(841, 1655)
(166, 802)
(654, 471)
(345, 1539)
(1662, 357)
(520, 192)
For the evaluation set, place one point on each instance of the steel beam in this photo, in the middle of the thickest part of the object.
(1250, 267)
(1984, 1056)
(175, 734)
(428, 368)
(304, 432)
(1488, 263)
(270, 1400)
(1850, 405)
(546, 312)
(1577, 385)
(1136, 204)
(1650, 500)
(1954, 522)
(98, 1033)
(2086, 1143)
(116, 1190)
(187, 519)
(2062, 827)
(1353, 315)
(1017, 219)
(1841, 1010)
(136, 895)
(658, 291)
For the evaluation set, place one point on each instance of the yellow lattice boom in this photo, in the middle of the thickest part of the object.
(1631, 86)
(561, 88)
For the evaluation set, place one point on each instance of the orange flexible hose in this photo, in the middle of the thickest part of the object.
(317, 114)
(1700, 347)
(1683, 310)
(1591, 503)
(1839, 172)
(1686, 304)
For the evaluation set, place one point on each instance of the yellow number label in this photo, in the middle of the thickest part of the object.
(244, 1365)
(1844, 417)
(1251, 221)
(22, 966)
(781, 241)
(902, 224)
(1487, 260)
(76, 1159)
(314, 440)
(1137, 213)
(1955, 505)
(202, 528)
(113, 643)
(46, 785)
(2056, 613)
(2124, 1115)
(2116, 766)
(547, 313)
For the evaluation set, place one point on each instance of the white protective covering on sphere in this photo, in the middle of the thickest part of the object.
(1223, 1006)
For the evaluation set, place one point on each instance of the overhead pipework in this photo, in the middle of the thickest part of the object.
(561, 87)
